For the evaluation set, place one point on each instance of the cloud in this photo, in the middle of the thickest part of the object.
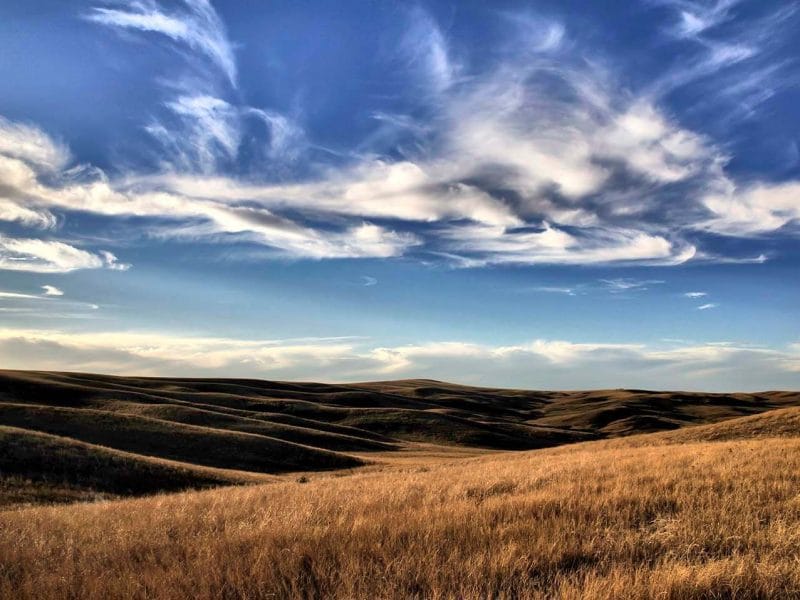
(18, 296)
(537, 156)
(425, 48)
(621, 284)
(568, 291)
(368, 281)
(378, 189)
(553, 364)
(150, 352)
(47, 256)
(707, 306)
(752, 210)
(194, 23)
(615, 286)
(695, 294)
(32, 146)
(196, 218)
(110, 261)
(695, 18)
(737, 61)
(481, 245)
(51, 290)
(509, 127)
(203, 127)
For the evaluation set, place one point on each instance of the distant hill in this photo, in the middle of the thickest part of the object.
(66, 436)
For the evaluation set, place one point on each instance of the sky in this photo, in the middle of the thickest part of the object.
(541, 194)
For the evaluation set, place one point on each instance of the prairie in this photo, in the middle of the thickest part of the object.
(409, 489)
(714, 515)
(75, 434)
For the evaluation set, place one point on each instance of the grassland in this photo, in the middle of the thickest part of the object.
(409, 489)
(712, 515)
(194, 433)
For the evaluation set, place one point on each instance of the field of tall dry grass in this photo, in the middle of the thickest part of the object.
(595, 520)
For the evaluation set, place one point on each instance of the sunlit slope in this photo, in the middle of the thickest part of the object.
(663, 518)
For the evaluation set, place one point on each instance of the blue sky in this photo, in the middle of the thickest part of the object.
(521, 194)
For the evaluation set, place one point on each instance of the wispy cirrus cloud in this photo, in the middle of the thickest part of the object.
(736, 60)
(707, 306)
(426, 50)
(193, 23)
(538, 156)
(623, 284)
(19, 296)
(616, 286)
(555, 289)
(695, 295)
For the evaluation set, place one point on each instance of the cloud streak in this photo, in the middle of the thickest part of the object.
(47, 256)
(194, 23)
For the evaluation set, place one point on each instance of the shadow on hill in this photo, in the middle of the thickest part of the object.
(265, 427)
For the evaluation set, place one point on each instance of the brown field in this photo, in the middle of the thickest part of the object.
(77, 436)
(710, 510)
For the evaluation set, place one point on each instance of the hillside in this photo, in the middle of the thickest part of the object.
(177, 432)
(38, 467)
(672, 515)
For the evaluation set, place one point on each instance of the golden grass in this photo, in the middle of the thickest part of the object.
(594, 520)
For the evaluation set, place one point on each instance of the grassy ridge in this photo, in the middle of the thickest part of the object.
(269, 427)
(666, 518)
(175, 441)
(37, 466)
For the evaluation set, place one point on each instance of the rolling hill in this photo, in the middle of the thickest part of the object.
(711, 511)
(68, 436)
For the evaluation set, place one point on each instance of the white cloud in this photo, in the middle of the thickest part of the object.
(752, 210)
(196, 25)
(51, 290)
(551, 245)
(695, 294)
(519, 164)
(32, 146)
(110, 261)
(695, 18)
(707, 306)
(401, 190)
(737, 63)
(150, 352)
(18, 296)
(25, 151)
(548, 289)
(47, 256)
(368, 281)
(543, 364)
(14, 211)
(426, 49)
(211, 127)
(622, 284)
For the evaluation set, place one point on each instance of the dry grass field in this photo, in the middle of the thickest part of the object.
(410, 489)
(669, 515)
(77, 436)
